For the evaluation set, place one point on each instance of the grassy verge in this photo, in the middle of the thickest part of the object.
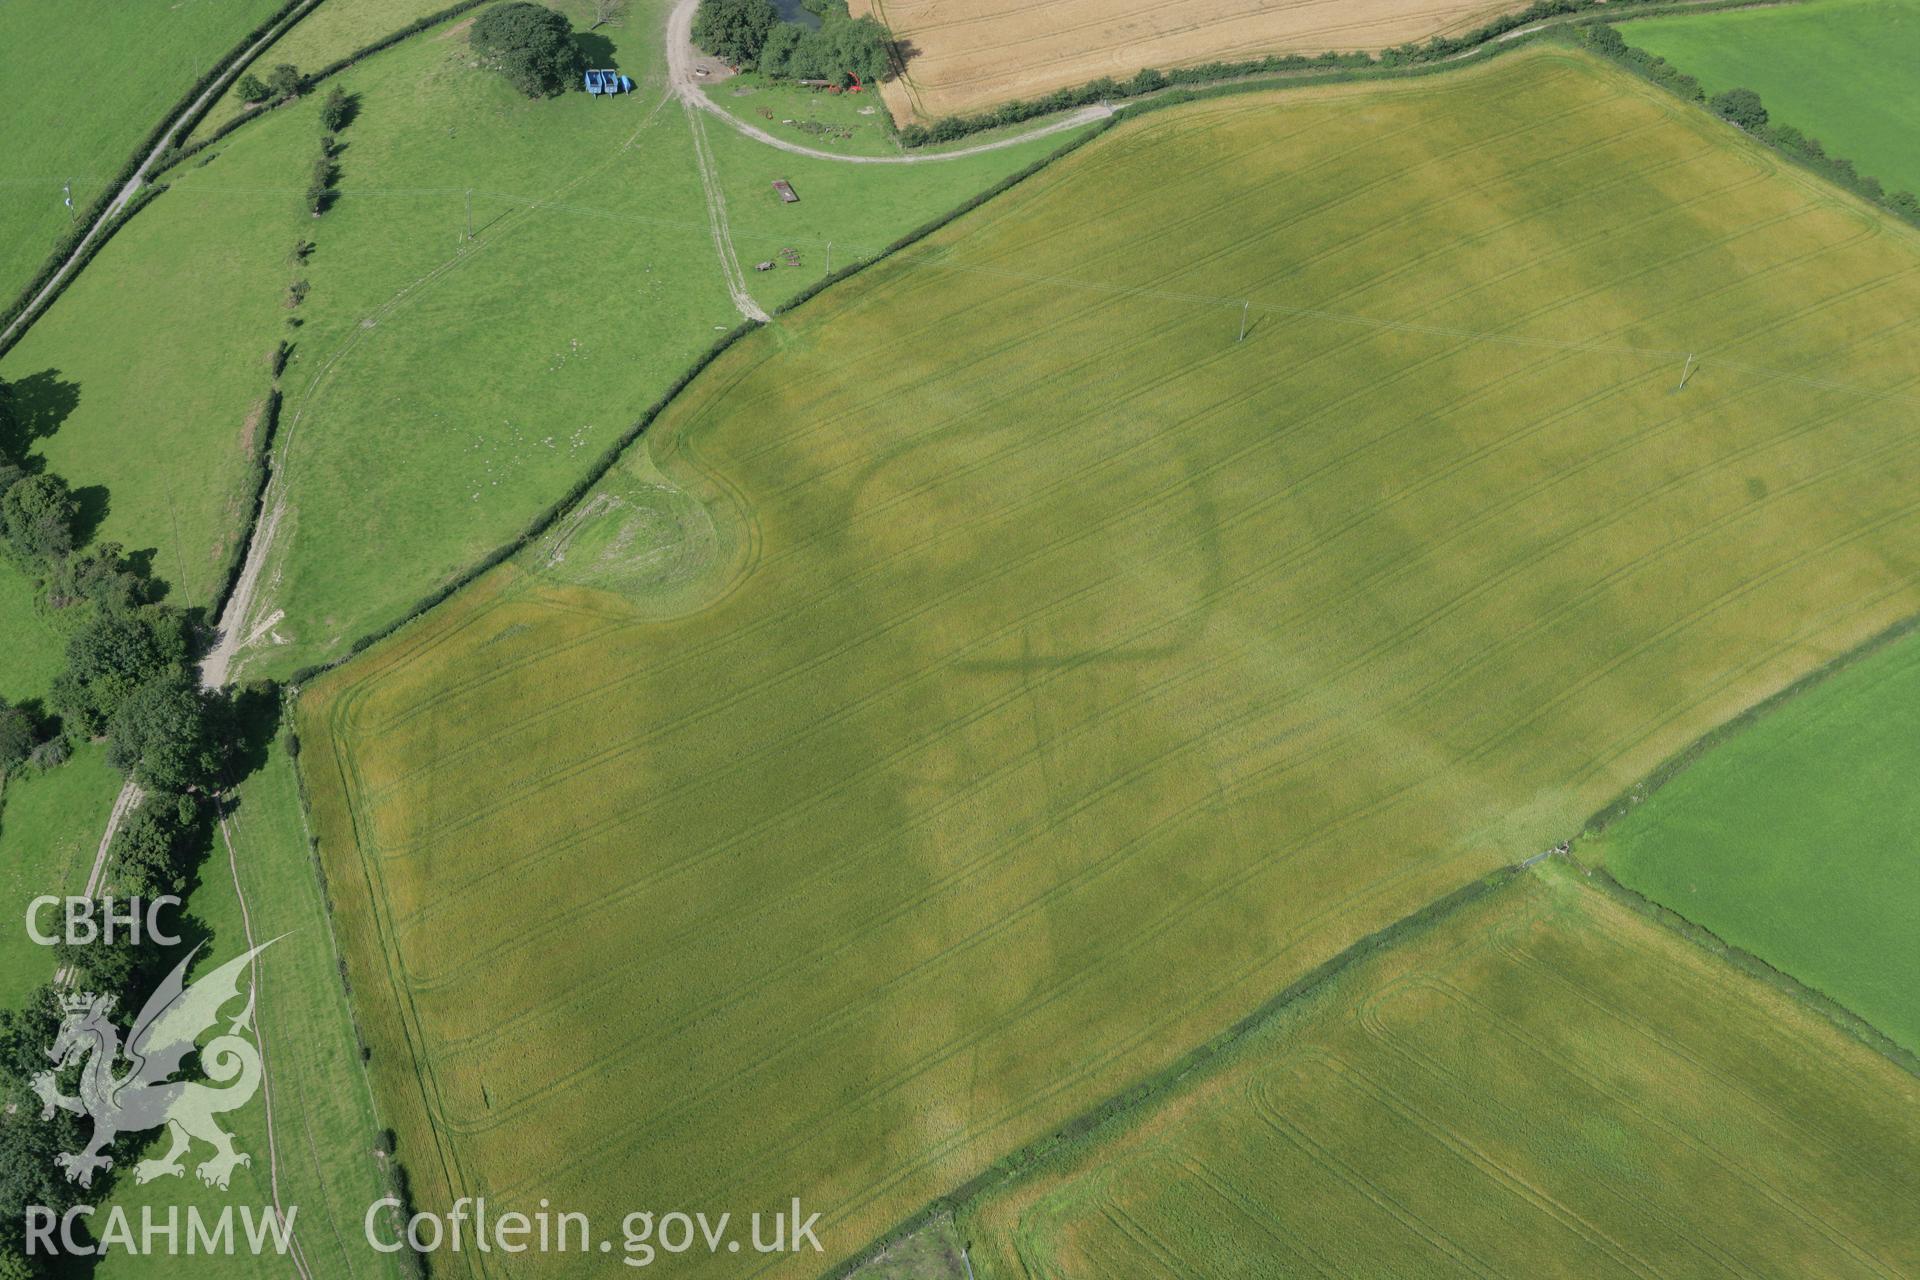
(33, 646)
(323, 1155)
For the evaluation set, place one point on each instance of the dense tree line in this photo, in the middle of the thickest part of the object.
(127, 677)
(120, 638)
(283, 81)
(750, 35)
(840, 49)
(154, 853)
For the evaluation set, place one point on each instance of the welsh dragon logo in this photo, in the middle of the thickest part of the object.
(143, 1096)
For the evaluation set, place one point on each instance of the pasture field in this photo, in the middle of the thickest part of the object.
(80, 86)
(333, 30)
(322, 1154)
(996, 678)
(857, 210)
(966, 55)
(49, 830)
(441, 394)
(33, 647)
(152, 369)
(1544, 1085)
(1793, 839)
(1838, 70)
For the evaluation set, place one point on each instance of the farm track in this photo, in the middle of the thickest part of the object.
(123, 804)
(687, 86)
(716, 203)
(239, 623)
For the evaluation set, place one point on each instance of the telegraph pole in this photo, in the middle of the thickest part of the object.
(1244, 308)
(829, 257)
(1684, 371)
(469, 213)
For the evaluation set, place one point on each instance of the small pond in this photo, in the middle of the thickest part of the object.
(792, 11)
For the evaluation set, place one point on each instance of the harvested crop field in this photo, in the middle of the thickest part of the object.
(966, 55)
(1543, 1084)
(1049, 677)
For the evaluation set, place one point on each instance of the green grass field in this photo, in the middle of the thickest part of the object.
(441, 395)
(845, 211)
(154, 364)
(1543, 1084)
(80, 86)
(49, 831)
(1839, 70)
(324, 1128)
(996, 678)
(1793, 840)
(33, 647)
(331, 31)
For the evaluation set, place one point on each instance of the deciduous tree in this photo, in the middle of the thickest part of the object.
(735, 31)
(530, 44)
(1741, 106)
(38, 513)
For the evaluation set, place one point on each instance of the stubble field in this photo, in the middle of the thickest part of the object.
(965, 55)
(995, 678)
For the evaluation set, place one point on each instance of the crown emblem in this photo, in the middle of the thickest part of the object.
(82, 1001)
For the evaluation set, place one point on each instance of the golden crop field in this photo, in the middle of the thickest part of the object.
(966, 55)
(997, 676)
(1544, 1084)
